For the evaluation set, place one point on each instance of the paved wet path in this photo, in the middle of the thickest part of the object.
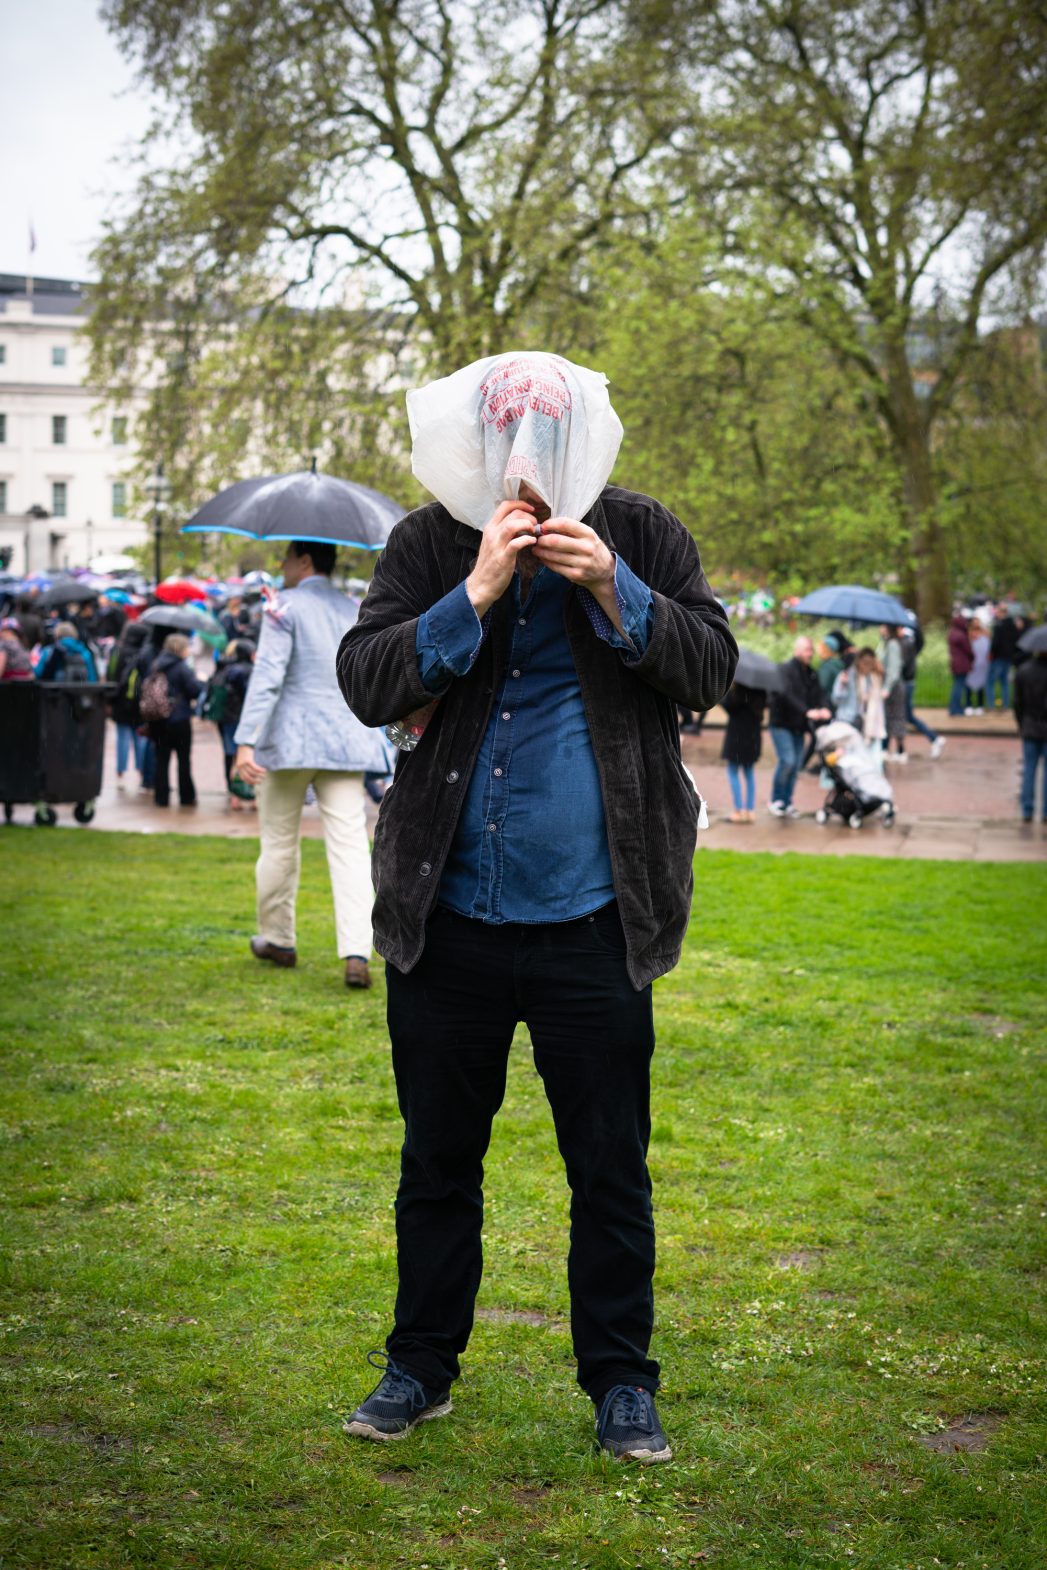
(964, 806)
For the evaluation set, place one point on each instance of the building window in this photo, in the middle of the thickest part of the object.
(119, 499)
(3, 495)
(3, 354)
(120, 431)
(58, 428)
(58, 356)
(59, 499)
(3, 427)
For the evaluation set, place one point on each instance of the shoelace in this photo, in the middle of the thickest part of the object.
(630, 1409)
(396, 1382)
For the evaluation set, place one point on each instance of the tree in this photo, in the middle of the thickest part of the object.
(900, 148)
(342, 194)
(706, 381)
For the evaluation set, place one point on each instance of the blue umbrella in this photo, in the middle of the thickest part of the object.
(852, 602)
(300, 506)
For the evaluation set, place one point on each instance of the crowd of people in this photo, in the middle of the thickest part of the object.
(154, 689)
(870, 687)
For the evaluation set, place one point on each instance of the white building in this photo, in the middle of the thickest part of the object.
(64, 459)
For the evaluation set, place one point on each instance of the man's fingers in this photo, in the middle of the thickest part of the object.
(568, 526)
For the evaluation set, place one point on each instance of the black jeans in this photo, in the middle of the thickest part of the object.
(174, 736)
(451, 1021)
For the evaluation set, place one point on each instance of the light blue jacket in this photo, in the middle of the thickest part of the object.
(294, 715)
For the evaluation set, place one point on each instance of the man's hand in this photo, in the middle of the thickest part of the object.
(511, 530)
(577, 553)
(246, 768)
(819, 714)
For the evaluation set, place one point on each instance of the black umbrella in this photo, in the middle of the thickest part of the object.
(67, 591)
(756, 670)
(1034, 641)
(301, 506)
(186, 618)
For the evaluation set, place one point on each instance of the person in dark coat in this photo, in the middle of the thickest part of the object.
(1030, 710)
(175, 734)
(961, 660)
(741, 746)
(1002, 650)
(129, 662)
(799, 704)
(534, 858)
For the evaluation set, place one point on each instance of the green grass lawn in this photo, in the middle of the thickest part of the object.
(199, 1158)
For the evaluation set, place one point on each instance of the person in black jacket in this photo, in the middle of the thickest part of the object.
(741, 746)
(175, 733)
(1030, 710)
(533, 861)
(799, 704)
(1002, 651)
(129, 662)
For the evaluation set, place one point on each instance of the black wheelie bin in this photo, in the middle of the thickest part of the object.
(52, 740)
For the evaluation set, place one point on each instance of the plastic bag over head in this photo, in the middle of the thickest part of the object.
(512, 418)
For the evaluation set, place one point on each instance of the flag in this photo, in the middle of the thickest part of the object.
(32, 238)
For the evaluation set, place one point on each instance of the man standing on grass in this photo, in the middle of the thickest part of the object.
(533, 859)
(293, 733)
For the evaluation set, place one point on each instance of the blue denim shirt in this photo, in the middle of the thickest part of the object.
(531, 842)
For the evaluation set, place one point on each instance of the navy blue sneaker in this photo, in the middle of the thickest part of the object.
(627, 1426)
(396, 1404)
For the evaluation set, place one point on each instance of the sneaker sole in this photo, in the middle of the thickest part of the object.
(365, 1431)
(643, 1457)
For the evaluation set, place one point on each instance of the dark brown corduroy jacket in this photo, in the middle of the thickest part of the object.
(649, 803)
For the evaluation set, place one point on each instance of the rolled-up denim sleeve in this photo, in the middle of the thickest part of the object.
(635, 606)
(448, 639)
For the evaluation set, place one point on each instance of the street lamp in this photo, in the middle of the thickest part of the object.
(35, 512)
(159, 488)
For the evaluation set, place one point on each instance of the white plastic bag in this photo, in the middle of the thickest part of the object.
(479, 434)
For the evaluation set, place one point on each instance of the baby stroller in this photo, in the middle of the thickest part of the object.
(859, 786)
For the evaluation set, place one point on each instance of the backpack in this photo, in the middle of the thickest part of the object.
(74, 666)
(222, 706)
(68, 665)
(156, 702)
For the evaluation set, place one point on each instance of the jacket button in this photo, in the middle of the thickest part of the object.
(452, 777)
(425, 869)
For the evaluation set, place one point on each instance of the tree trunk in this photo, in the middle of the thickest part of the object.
(928, 572)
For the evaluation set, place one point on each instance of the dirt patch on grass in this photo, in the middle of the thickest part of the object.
(995, 1024)
(70, 1434)
(531, 1495)
(398, 1479)
(967, 1433)
(517, 1316)
(799, 1259)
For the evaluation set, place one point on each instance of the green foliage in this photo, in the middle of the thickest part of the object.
(752, 214)
(798, 488)
(200, 1157)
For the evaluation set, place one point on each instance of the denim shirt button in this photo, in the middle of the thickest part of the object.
(452, 778)
(425, 869)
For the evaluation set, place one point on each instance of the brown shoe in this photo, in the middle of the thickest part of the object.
(356, 972)
(285, 958)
